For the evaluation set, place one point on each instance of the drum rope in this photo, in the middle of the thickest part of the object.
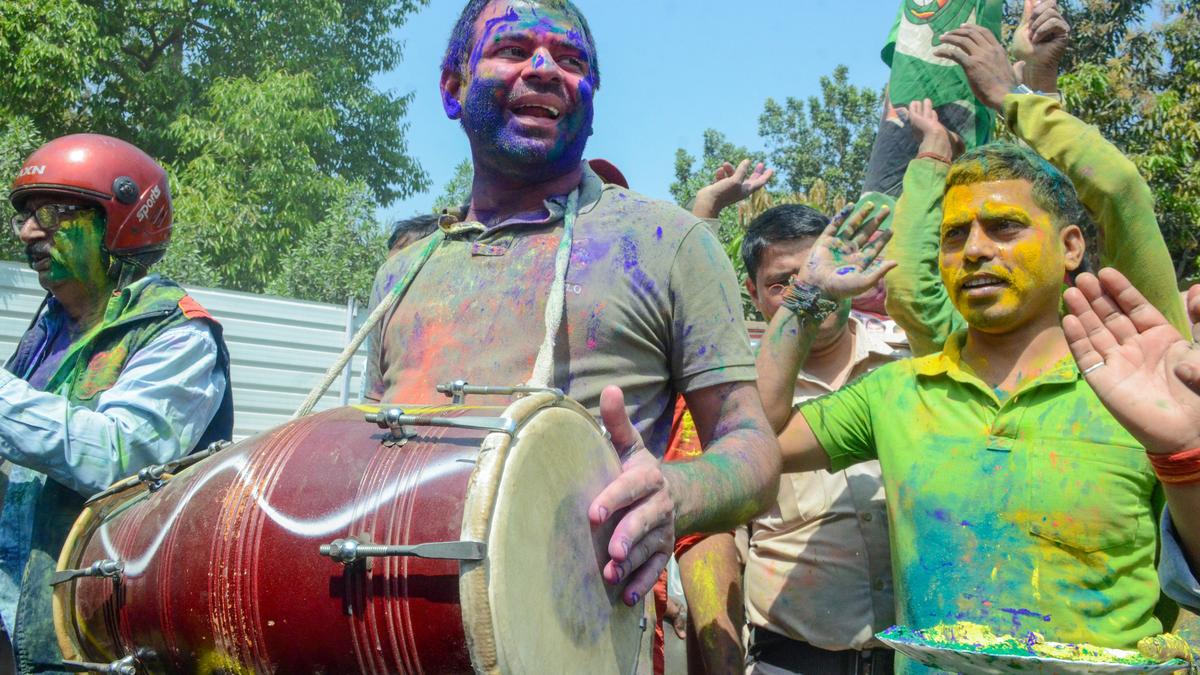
(543, 367)
(385, 306)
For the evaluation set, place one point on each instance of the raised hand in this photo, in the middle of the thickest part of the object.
(845, 261)
(983, 60)
(1040, 43)
(644, 538)
(1135, 360)
(729, 187)
(931, 135)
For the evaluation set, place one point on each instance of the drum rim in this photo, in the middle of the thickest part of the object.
(478, 510)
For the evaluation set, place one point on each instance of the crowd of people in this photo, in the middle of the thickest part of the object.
(1028, 460)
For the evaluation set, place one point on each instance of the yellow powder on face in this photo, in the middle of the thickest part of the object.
(1030, 259)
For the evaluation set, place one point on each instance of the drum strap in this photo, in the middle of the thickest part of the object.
(385, 307)
(543, 368)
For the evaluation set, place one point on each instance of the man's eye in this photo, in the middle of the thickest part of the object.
(953, 233)
(512, 52)
(572, 63)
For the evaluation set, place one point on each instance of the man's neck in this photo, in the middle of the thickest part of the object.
(831, 362)
(84, 306)
(496, 198)
(1005, 361)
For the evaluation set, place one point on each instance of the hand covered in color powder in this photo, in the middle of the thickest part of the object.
(1039, 44)
(729, 187)
(644, 538)
(931, 135)
(1150, 374)
(845, 261)
(984, 61)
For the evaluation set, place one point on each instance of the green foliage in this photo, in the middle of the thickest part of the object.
(329, 259)
(18, 138)
(820, 148)
(1137, 80)
(458, 189)
(827, 138)
(263, 111)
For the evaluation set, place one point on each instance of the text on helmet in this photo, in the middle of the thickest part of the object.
(155, 193)
(32, 170)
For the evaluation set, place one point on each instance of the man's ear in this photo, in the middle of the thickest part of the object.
(452, 86)
(753, 291)
(1074, 246)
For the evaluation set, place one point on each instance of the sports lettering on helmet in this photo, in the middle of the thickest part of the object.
(155, 193)
(32, 170)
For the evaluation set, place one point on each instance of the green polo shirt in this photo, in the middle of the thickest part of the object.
(1033, 513)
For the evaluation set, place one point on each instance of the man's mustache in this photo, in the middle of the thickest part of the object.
(36, 250)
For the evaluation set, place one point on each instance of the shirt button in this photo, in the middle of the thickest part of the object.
(878, 585)
(867, 517)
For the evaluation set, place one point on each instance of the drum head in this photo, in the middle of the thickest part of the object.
(550, 609)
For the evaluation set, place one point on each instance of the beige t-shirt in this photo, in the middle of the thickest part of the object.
(652, 305)
(818, 567)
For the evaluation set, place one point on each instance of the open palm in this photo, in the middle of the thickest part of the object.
(845, 260)
(1142, 356)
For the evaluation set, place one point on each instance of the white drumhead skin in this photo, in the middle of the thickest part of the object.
(551, 610)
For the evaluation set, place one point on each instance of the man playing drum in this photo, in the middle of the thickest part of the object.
(120, 369)
(554, 278)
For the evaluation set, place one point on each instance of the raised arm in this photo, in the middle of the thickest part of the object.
(1147, 375)
(1108, 183)
(916, 298)
(843, 262)
(730, 185)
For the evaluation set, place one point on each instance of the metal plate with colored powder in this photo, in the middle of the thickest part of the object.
(972, 659)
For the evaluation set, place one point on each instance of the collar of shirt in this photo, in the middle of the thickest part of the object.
(948, 362)
(867, 347)
(589, 194)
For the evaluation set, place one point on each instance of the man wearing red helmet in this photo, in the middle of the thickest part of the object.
(119, 370)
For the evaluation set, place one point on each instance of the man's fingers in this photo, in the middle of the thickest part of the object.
(1051, 28)
(640, 478)
(1027, 12)
(1133, 305)
(644, 578)
(879, 270)
(1080, 306)
(868, 228)
(1188, 371)
(1106, 308)
(739, 174)
(1193, 310)
(1085, 354)
(657, 540)
(764, 178)
(874, 247)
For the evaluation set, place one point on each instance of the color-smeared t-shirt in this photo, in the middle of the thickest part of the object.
(1038, 513)
(652, 305)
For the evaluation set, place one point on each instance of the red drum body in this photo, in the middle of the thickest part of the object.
(223, 568)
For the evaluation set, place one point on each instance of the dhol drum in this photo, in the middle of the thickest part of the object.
(359, 540)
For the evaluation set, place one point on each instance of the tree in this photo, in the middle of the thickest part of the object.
(827, 138)
(1136, 80)
(263, 111)
(458, 189)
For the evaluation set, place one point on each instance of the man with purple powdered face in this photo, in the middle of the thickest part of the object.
(556, 278)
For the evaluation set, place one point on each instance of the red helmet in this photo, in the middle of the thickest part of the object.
(129, 185)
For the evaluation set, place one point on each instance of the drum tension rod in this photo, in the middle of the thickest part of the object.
(458, 391)
(125, 666)
(398, 422)
(350, 551)
(100, 568)
(154, 475)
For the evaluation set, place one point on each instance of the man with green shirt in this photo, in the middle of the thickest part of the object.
(1015, 500)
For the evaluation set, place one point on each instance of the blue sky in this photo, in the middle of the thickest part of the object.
(671, 69)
